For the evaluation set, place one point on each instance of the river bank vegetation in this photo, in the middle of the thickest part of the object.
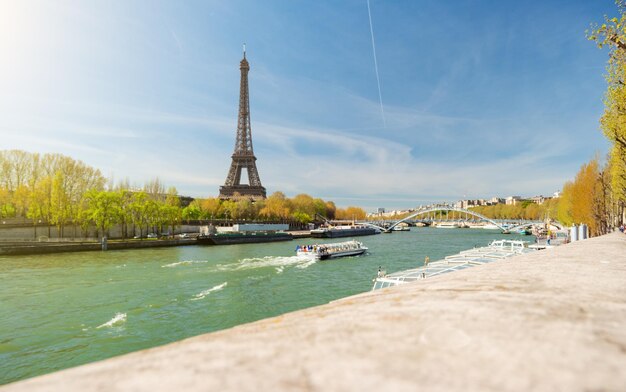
(597, 195)
(53, 189)
(524, 209)
(591, 198)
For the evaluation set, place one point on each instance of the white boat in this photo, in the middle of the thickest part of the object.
(496, 250)
(331, 251)
(447, 225)
(491, 226)
(401, 228)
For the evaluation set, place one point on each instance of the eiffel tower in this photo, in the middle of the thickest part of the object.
(243, 156)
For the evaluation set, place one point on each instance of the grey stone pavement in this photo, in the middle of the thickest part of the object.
(554, 320)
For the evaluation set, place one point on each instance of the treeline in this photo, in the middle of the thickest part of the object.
(54, 189)
(597, 196)
(524, 209)
(592, 199)
(302, 209)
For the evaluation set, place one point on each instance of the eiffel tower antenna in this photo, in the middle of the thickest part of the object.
(243, 155)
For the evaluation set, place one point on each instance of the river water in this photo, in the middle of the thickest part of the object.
(63, 310)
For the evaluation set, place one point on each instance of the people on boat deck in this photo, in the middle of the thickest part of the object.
(330, 248)
(306, 248)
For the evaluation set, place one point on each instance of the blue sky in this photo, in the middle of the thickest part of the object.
(481, 98)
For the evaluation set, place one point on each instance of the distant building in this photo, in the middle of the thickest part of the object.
(538, 199)
(495, 200)
(465, 204)
(381, 210)
(513, 200)
(556, 194)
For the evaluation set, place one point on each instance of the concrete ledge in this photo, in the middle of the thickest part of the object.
(35, 248)
(553, 320)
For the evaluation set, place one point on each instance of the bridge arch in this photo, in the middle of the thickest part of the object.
(436, 209)
(447, 208)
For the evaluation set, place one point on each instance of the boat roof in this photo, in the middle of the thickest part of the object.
(332, 243)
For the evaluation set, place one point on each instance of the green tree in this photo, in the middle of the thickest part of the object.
(59, 203)
(126, 211)
(39, 203)
(171, 209)
(302, 217)
(192, 211)
(319, 207)
(154, 214)
(20, 198)
(303, 203)
(139, 211)
(103, 208)
(6, 208)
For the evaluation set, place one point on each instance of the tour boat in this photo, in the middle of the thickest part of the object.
(331, 251)
(401, 228)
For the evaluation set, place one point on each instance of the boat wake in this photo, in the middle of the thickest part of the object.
(277, 262)
(118, 319)
(204, 293)
(184, 262)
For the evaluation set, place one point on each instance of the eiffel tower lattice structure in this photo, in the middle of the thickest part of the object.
(243, 156)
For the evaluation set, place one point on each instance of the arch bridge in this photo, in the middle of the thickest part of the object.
(446, 208)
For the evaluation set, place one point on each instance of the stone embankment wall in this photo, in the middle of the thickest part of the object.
(552, 320)
(33, 248)
(25, 232)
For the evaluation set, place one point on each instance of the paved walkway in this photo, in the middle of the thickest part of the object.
(553, 320)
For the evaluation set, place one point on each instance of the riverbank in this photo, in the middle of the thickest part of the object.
(8, 248)
(552, 320)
